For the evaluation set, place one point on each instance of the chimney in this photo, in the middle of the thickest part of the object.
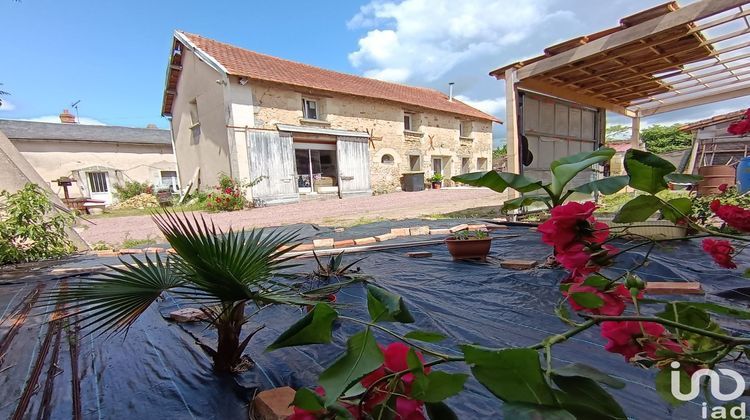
(450, 91)
(67, 118)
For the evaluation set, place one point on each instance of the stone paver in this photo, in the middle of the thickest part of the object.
(400, 205)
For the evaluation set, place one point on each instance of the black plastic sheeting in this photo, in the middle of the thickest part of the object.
(159, 371)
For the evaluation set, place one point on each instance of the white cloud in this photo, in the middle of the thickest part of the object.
(494, 107)
(7, 105)
(423, 39)
(56, 119)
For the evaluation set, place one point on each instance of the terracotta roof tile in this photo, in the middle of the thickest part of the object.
(253, 65)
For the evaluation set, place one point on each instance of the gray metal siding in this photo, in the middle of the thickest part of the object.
(353, 156)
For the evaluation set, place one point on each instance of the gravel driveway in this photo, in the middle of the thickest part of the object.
(331, 212)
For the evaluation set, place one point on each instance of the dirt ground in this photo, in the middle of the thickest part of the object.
(331, 212)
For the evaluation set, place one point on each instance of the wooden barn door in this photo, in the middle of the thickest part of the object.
(555, 129)
(353, 159)
(271, 155)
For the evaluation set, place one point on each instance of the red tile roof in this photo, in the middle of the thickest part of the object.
(257, 66)
(697, 125)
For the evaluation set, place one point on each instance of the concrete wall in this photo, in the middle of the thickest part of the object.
(132, 162)
(437, 134)
(210, 151)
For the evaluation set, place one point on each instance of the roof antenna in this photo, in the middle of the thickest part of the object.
(450, 91)
(74, 105)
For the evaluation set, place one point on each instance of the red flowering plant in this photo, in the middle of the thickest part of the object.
(229, 194)
(404, 380)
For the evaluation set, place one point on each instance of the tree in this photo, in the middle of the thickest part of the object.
(617, 132)
(662, 139)
(2, 92)
(223, 271)
(500, 151)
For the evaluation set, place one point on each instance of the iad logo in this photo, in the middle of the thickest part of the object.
(719, 412)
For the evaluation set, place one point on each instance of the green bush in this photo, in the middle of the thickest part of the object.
(130, 189)
(702, 213)
(30, 229)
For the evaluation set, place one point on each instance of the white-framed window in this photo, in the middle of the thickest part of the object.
(415, 163)
(310, 109)
(195, 123)
(481, 164)
(98, 182)
(464, 128)
(408, 122)
(169, 179)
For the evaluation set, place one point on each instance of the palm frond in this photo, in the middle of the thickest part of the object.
(233, 265)
(114, 300)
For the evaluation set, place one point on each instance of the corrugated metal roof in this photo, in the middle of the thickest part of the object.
(33, 130)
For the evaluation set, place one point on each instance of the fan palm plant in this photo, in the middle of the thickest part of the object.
(222, 271)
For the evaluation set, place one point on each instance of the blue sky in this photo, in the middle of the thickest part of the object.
(112, 55)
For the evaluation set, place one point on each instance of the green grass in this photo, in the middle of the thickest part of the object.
(487, 212)
(330, 221)
(135, 243)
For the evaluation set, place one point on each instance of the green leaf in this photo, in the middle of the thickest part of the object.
(718, 309)
(307, 399)
(606, 186)
(426, 336)
(597, 281)
(386, 306)
(437, 386)
(440, 411)
(584, 398)
(314, 328)
(362, 357)
(679, 178)
(566, 168)
(587, 299)
(647, 170)
(522, 201)
(747, 273)
(683, 205)
(513, 375)
(585, 371)
(638, 209)
(499, 181)
(521, 411)
(664, 385)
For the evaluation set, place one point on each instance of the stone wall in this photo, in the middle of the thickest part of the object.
(435, 134)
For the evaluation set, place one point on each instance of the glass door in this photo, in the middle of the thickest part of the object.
(304, 170)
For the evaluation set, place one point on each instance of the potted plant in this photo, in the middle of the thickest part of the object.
(437, 181)
(469, 245)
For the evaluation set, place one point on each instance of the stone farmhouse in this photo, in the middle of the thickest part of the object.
(308, 131)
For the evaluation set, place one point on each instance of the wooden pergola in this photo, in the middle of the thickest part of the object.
(659, 60)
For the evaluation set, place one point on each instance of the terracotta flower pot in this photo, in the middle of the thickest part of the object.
(437, 185)
(469, 249)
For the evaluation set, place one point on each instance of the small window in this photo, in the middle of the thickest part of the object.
(415, 163)
(465, 162)
(98, 182)
(437, 166)
(169, 179)
(310, 109)
(464, 128)
(387, 159)
(481, 164)
(407, 122)
(195, 124)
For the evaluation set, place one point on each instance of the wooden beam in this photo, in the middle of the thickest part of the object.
(512, 130)
(721, 95)
(574, 96)
(635, 133)
(686, 15)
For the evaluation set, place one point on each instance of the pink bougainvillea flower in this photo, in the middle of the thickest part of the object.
(734, 216)
(721, 251)
(723, 187)
(740, 127)
(302, 414)
(631, 338)
(614, 299)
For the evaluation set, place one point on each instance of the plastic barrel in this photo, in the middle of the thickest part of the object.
(743, 175)
(713, 176)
